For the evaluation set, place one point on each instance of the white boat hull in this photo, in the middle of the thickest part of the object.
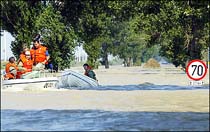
(36, 83)
(74, 79)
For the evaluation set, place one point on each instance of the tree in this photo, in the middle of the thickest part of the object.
(93, 21)
(129, 29)
(17, 17)
(130, 43)
(32, 17)
(180, 28)
(59, 38)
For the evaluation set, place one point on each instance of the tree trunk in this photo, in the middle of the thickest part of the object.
(106, 62)
(129, 62)
(194, 49)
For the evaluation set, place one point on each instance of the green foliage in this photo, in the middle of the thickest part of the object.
(93, 51)
(181, 25)
(59, 38)
(18, 19)
(31, 18)
(130, 43)
(152, 52)
(132, 30)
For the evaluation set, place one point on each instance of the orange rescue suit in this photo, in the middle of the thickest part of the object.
(10, 75)
(22, 57)
(38, 55)
(28, 64)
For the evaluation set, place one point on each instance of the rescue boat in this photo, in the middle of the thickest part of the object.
(72, 78)
(68, 79)
(44, 80)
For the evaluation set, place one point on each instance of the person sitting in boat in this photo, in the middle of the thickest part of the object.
(22, 54)
(11, 70)
(26, 62)
(89, 72)
(39, 53)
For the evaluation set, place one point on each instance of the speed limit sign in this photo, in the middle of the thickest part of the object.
(196, 70)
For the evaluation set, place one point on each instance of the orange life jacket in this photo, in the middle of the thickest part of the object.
(38, 55)
(8, 74)
(28, 64)
(22, 57)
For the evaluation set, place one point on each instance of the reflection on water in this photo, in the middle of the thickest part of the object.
(102, 120)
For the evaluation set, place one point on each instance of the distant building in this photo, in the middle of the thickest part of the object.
(80, 54)
(6, 39)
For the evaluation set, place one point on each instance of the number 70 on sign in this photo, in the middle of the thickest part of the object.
(196, 70)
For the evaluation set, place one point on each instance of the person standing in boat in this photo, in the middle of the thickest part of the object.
(39, 53)
(89, 72)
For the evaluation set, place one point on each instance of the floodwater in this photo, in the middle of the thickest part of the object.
(102, 120)
(96, 120)
(144, 86)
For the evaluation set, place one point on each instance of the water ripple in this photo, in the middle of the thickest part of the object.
(97, 120)
(145, 86)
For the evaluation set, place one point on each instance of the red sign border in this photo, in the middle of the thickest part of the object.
(203, 74)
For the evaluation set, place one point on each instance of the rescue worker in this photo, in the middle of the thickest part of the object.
(39, 56)
(39, 53)
(27, 64)
(26, 61)
(11, 69)
(89, 72)
(22, 54)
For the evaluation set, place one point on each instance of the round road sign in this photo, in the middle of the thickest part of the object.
(196, 70)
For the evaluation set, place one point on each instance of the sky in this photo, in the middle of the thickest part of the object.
(6, 40)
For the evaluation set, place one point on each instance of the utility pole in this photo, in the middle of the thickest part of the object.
(208, 61)
(5, 46)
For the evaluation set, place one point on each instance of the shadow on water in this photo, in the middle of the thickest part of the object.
(144, 86)
(84, 120)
